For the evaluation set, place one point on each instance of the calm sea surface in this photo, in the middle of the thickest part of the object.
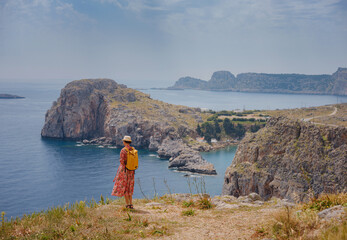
(36, 173)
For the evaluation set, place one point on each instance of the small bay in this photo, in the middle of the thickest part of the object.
(39, 173)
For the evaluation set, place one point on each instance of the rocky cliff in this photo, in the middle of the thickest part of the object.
(102, 111)
(335, 84)
(340, 86)
(289, 159)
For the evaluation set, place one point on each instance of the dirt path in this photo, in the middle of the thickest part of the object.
(241, 223)
(223, 225)
(329, 115)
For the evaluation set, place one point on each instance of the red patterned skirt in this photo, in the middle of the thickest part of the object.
(124, 184)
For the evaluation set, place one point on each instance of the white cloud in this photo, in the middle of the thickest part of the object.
(41, 12)
(65, 7)
(138, 5)
(229, 16)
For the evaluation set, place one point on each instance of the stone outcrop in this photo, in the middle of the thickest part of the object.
(333, 213)
(100, 111)
(184, 158)
(289, 159)
(335, 84)
(226, 202)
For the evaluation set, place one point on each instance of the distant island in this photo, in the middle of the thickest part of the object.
(335, 84)
(9, 96)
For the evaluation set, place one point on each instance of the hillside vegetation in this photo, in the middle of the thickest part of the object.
(334, 115)
(192, 217)
(155, 110)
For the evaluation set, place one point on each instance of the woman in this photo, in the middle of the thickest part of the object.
(124, 180)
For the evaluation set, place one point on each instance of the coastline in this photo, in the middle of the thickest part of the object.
(265, 91)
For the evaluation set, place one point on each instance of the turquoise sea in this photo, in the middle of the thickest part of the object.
(36, 173)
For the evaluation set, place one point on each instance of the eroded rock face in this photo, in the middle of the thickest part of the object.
(80, 111)
(288, 159)
(100, 111)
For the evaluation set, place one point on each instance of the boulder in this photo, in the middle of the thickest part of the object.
(336, 212)
(184, 158)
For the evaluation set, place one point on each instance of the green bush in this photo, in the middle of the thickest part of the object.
(188, 204)
(189, 212)
(204, 203)
(326, 201)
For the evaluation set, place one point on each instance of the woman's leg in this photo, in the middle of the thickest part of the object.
(127, 202)
(130, 199)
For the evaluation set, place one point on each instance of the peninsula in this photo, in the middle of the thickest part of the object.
(101, 111)
(334, 84)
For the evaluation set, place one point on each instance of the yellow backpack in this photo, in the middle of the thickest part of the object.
(132, 159)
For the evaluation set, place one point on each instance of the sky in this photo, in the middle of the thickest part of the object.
(154, 42)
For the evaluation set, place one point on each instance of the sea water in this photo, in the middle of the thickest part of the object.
(37, 173)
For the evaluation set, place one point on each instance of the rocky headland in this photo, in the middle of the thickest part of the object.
(101, 111)
(335, 84)
(290, 159)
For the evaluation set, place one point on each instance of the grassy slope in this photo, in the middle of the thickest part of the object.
(177, 220)
(320, 114)
(155, 110)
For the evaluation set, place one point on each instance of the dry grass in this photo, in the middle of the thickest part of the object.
(109, 221)
(335, 232)
(290, 224)
(155, 110)
(326, 201)
(319, 115)
(174, 220)
(171, 220)
(303, 222)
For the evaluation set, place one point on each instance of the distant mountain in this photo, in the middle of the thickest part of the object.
(335, 84)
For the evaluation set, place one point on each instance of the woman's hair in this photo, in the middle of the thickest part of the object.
(127, 142)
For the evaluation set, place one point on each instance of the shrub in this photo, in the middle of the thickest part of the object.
(292, 224)
(189, 212)
(326, 201)
(188, 204)
(204, 203)
(287, 225)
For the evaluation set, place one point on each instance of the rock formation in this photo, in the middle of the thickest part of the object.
(289, 159)
(100, 111)
(335, 84)
(340, 78)
(183, 157)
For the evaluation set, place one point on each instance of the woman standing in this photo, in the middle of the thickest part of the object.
(124, 180)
